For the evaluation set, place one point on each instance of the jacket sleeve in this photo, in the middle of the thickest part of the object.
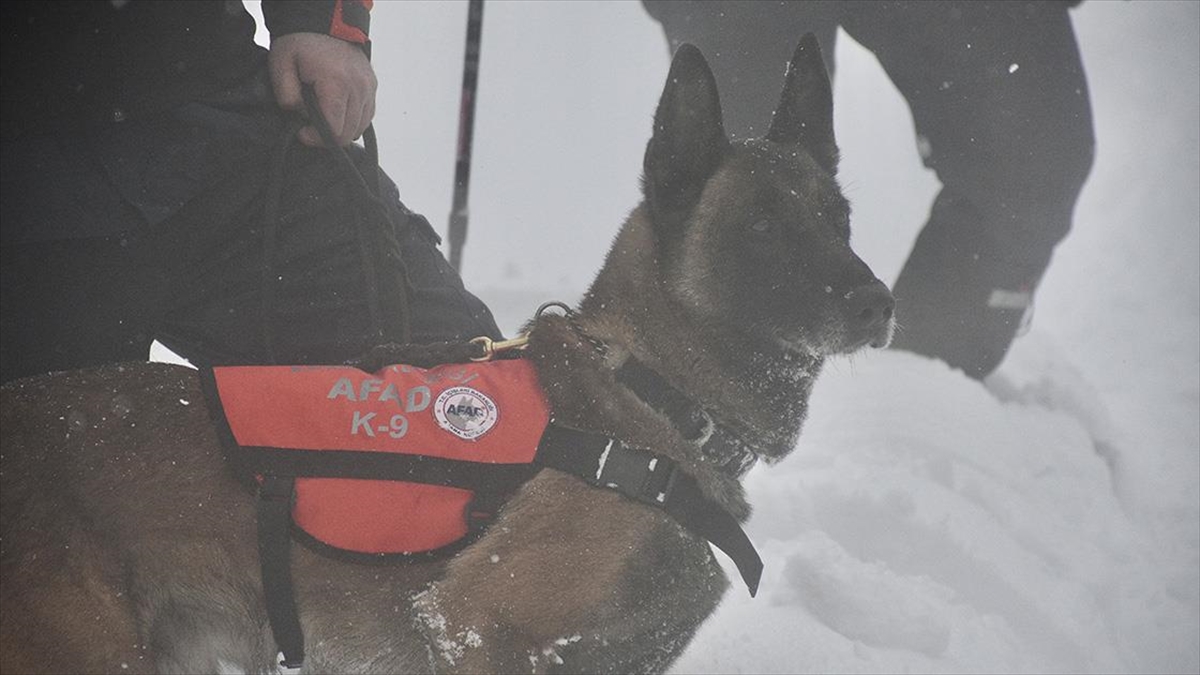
(348, 20)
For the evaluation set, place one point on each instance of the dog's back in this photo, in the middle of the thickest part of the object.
(127, 545)
(94, 512)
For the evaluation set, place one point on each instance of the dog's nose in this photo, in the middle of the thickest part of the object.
(869, 307)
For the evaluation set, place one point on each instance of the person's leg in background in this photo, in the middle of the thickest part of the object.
(1001, 108)
(748, 46)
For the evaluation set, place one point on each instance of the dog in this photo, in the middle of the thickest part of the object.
(127, 545)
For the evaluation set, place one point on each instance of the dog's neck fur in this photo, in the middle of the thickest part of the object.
(752, 389)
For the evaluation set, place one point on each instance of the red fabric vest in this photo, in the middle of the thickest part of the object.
(492, 413)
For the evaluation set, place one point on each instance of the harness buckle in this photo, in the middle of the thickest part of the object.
(636, 473)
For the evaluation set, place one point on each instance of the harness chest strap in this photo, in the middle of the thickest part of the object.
(654, 480)
(603, 462)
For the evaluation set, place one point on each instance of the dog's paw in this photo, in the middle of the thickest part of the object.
(447, 645)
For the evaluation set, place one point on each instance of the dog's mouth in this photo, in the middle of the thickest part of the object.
(799, 346)
(837, 340)
(879, 338)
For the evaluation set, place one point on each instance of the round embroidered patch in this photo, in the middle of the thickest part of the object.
(465, 412)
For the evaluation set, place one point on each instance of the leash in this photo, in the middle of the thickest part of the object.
(466, 131)
(274, 504)
(370, 190)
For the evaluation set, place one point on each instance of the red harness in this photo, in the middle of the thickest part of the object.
(411, 460)
(491, 413)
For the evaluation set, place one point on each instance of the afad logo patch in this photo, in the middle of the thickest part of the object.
(465, 412)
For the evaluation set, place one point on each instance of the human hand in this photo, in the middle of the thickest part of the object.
(340, 74)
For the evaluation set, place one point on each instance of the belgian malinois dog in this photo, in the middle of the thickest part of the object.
(128, 546)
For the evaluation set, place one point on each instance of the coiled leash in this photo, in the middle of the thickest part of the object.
(376, 212)
(276, 491)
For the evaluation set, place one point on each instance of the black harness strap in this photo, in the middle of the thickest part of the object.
(719, 446)
(688, 418)
(274, 556)
(476, 476)
(651, 479)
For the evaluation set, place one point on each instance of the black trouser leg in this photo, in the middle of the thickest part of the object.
(748, 46)
(1000, 103)
(1001, 108)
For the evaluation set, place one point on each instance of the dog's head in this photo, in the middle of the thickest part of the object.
(753, 236)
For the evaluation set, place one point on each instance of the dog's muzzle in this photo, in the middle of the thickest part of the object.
(869, 314)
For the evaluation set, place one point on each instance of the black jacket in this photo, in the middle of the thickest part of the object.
(116, 113)
(74, 62)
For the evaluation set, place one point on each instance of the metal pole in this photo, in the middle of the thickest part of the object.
(466, 128)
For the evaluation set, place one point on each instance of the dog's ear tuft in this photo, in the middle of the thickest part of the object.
(689, 139)
(805, 112)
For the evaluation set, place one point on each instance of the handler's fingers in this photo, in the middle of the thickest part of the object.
(341, 76)
(368, 115)
(334, 103)
(285, 80)
(347, 110)
(350, 119)
(359, 109)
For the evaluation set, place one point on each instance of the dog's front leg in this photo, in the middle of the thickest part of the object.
(553, 570)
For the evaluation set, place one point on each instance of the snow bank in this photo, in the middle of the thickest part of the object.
(925, 524)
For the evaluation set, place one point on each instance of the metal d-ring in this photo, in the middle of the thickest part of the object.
(492, 347)
(567, 311)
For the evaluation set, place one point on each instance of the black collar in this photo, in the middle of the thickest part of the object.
(719, 446)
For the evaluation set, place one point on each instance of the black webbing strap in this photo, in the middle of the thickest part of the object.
(720, 448)
(280, 468)
(651, 479)
(365, 465)
(649, 386)
(274, 555)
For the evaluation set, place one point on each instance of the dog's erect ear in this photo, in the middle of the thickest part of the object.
(805, 112)
(689, 138)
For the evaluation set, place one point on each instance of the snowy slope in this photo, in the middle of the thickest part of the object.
(925, 525)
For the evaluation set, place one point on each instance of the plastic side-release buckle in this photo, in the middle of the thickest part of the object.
(638, 474)
(283, 667)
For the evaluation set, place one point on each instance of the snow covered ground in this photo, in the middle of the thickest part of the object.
(1048, 520)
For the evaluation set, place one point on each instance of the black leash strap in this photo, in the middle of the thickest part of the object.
(371, 192)
(271, 217)
(369, 188)
(466, 132)
(274, 555)
(651, 479)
